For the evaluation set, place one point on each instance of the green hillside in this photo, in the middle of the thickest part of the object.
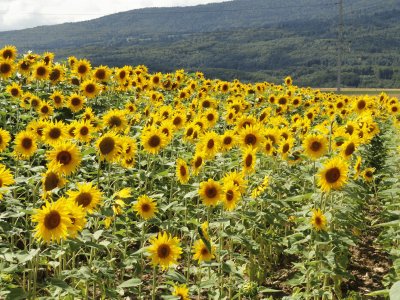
(245, 39)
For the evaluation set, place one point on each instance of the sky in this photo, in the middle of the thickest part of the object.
(20, 14)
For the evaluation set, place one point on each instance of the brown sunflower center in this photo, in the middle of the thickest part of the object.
(227, 140)
(361, 104)
(268, 147)
(1, 182)
(55, 133)
(318, 221)
(107, 145)
(100, 74)
(250, 139)
(210, 144)
(210, 117)
(41, 71)
(84, 199)
(7, 54)
(82, 69)
(52, 220)
(211, 192)
(177, 121)
(315, 146)
(26, 143)
(204, 251)
(332, 175)
(198, 162)
(182, 171)
(229, 195)
(189, 132)
(64, 157)
(55, 75)
(285, 148)
(90, 88)
(154, 141)
(45, 109)
(51, 181)
(249, 160)
(350, 149)
(84, 130)
(115, 121)
(5, 68)
(145, 207)
(163, 251)
(76, 101)
(14, 92)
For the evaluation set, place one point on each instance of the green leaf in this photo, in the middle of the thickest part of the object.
(394, 292)
(267, 290)
(130, 283)
(62, 285)
(378, 293)
(97, 234)
(16, 294)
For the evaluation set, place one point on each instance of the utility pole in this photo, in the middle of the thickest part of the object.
(340, 46)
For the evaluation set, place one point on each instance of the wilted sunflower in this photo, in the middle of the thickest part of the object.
(6, 68)
(145, 207)
(164, 250)
(210, 192)
(65, 157)
(201, 252)
(25, 144)
(181, 291)
(153, 140)
(182, 171)
(318, 220)
(53, 222)
(6, 178)
(333, 175)
(315, 146)
(87, 196)
(76, 102)
(4, 139)
(109, 146)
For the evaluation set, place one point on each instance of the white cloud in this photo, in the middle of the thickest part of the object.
(19, 14)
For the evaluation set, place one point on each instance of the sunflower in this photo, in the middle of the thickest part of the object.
(8, 52)
(15, 90)
(24, 67)
(122, 74)
(87, 196)
(318, 220)
(231, 196)
(288, 81)
(164, 250)
(249, 160)
(6, 178)
(57, 98)
(153, 140)
(285, 146)
(25, 144)
(6, 68)
(182, 171)
(90, 88)
(82, 68)
(101, 74)
(40, 71)
(333, 175)
(115, 119)
(77, 216)
(145, 207)
(37, 127)
(251, 135)
(181, 291)
(51, 180)
(237, 178)
(45, 110)
(228, 140)
(201, 252)
(65, 157)
(349, 147)
(54, 133)
(53, 222)
(82, 131)
(4, 139)
(109, 146)
(315, 145)
(368, 174)
(210, 192)
(209, 144)
(57, 74)
(76, 102)
(197, 162)
(357, 167)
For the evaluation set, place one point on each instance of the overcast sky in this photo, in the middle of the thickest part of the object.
(19, 14)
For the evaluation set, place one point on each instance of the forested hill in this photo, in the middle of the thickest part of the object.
(245, 39)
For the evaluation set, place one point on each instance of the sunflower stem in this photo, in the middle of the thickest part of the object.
(153, 292)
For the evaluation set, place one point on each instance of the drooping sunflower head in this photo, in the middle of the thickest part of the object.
(164, 250)
(87, 195)
(145, 207)
(210, 192)
(333, 175)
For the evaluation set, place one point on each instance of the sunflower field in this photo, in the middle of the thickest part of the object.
(116, 183)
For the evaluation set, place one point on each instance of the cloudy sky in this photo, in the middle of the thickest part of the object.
(19, 14)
